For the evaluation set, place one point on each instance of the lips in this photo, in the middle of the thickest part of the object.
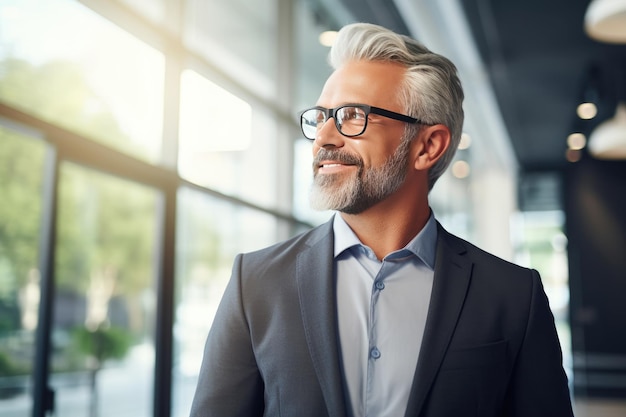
(330, 165)
(334, 159)
(333, 167)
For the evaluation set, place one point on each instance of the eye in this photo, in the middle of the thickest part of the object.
(352, 114)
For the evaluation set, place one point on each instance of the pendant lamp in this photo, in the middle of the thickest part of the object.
(605, 20)
(608, 140)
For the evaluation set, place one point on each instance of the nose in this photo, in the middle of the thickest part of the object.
(328, 135)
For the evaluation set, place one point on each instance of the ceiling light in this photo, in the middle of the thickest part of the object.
(587, 111)
(608, 140)
(605, 20)
(465, 142)
(576, 141)
(328, 37)
(460, 169)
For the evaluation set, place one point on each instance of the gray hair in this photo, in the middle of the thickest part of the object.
(431, 92)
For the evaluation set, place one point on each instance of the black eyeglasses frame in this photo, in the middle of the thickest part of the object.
(367, 109)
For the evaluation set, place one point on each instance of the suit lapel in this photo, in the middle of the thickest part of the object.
(317, 292)
(451, 281)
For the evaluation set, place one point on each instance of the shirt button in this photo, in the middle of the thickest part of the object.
(375, 353)
(379, 285)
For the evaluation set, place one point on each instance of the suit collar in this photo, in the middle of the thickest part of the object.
(317, 293)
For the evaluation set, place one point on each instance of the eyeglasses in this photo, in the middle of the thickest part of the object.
(350, 119)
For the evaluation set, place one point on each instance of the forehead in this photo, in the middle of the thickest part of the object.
(376, 83)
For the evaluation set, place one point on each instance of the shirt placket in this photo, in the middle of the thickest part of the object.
(375, 353)
(378, 285)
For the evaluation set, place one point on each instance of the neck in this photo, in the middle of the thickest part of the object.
(392, 223)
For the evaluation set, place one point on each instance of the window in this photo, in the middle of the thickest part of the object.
(239, 37)
(225, 144)
(62, 62)
(104, 317)
(540, 243)
(210, 233)
(21, 174)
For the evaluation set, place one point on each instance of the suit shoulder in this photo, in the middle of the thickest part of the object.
(288, 249)
(507, 284)
(480, 257)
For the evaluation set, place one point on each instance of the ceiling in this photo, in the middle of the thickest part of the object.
(538, 60)
(541, 63)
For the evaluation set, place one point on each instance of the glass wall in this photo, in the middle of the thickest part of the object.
(64, 63)
(540, 243)
(22, 159)
(238, 37)
(163, 136)
(104, 304)
(210, 233)
(312, 70)
(226, 144)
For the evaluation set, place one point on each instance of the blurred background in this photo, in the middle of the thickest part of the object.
(144, 143)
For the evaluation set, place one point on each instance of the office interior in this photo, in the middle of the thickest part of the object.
(144, 143)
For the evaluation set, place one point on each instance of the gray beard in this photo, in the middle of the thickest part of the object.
(360, 191)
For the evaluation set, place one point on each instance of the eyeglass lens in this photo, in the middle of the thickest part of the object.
(349, 120)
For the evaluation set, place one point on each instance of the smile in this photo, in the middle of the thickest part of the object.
(334, 168)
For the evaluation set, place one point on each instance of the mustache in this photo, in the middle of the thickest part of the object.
(336, 155)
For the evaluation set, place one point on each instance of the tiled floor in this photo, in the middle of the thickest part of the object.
(599, 408)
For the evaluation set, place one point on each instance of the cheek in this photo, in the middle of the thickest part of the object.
(378, 155)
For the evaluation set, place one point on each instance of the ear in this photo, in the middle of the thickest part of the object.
(430, 145)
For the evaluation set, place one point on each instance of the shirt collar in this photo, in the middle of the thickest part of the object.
(423, 245)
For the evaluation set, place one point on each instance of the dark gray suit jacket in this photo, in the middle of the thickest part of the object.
(490, 347)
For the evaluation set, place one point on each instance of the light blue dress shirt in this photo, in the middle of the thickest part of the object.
(382, 309)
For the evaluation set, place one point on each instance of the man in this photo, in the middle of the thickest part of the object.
(381, 312)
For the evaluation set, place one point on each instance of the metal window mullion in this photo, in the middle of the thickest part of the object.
(43, 396)
(166, 255)
(285, 85)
